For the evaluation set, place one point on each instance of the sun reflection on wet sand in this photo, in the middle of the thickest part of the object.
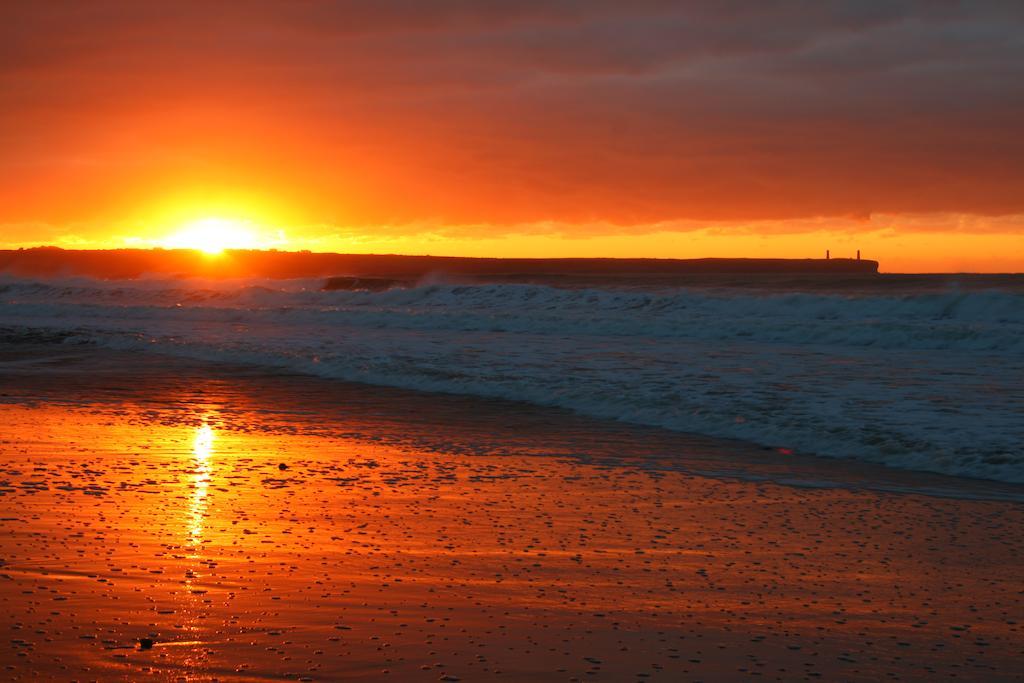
(192, 608)
(202, 450)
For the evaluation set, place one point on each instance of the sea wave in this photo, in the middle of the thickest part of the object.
(927, 381)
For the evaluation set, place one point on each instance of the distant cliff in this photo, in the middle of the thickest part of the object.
(133, 263)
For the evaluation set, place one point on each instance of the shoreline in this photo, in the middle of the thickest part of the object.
(51, 376)
(256, 526)
(921, 382)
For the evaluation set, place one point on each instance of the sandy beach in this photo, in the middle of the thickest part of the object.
(169, 520)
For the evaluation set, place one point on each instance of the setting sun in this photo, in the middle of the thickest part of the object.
(214, 235)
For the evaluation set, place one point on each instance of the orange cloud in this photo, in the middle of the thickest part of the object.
(575, 119)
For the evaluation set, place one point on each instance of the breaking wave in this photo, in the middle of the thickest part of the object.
(927, 381)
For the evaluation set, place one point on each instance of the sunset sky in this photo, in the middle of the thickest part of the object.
(526, 128)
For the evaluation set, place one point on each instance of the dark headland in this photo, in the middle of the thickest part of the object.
(367, 270)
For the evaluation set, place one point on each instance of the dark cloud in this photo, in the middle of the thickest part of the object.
(473, 111)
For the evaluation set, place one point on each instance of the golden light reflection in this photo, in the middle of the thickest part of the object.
(202, 445)
(202, 471)
(202, 450)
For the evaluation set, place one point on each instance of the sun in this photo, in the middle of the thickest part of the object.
(214, 235)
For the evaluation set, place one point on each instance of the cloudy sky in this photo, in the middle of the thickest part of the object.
(522, 128)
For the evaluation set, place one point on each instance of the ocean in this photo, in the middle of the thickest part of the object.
(913, 372)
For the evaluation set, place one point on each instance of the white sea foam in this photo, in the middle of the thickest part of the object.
(929, 381)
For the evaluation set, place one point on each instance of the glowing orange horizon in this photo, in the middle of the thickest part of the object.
(906, 254)
(899, 243)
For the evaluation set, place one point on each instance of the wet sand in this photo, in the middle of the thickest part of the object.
(269, 527)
